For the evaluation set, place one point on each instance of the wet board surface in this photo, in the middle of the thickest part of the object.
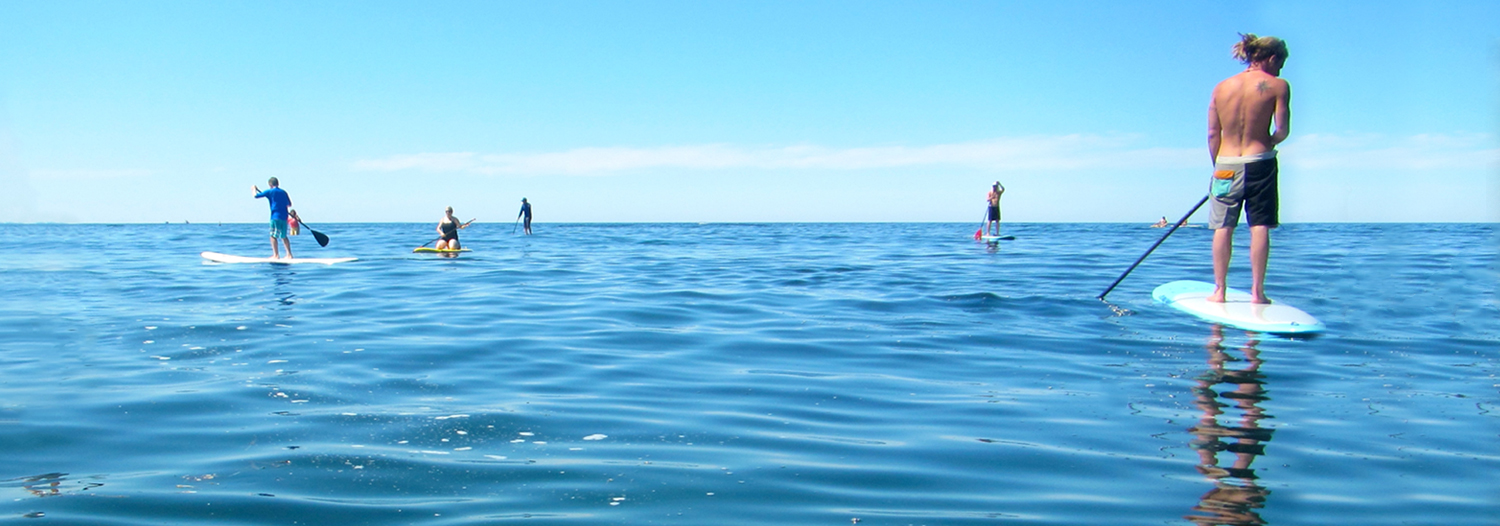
(230, 258)
(994, 239)
(1236, 311)
(430, 250)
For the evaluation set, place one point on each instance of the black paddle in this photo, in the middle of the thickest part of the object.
(1153, 247)
(440, 237)
(322, 239)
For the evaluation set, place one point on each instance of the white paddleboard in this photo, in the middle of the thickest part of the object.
(996, 239)
(229, 258)
(1236, 311)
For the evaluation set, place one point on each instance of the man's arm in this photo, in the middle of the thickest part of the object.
(1283, 115)
(258, 193)
(1215, 130)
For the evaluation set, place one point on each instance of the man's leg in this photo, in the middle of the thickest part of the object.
(1223, 248)
(288, 242)
(1260, 254)
(275, 249)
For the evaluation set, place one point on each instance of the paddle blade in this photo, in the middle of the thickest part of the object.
(322, 239)
(979, 233)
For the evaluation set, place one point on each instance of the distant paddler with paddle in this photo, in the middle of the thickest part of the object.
(449, 227)
(526, 213)
(280, 204)
(993, 217)
(1243, 147)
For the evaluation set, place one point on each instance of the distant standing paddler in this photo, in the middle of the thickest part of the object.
(281, 203)
(526, 213)
(1243, 147)
(993, 221)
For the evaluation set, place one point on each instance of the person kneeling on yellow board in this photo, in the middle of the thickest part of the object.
(449, 228)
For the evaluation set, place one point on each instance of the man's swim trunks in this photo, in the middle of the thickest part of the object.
(994, 213)
(1248, 183)
(278, 228)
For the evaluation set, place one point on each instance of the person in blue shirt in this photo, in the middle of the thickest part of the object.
(280, 204)
(525, 211)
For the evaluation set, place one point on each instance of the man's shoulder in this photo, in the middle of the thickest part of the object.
(1261, 78)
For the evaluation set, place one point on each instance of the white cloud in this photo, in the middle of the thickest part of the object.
(1004, 154)
(1038, 153)
(1400, 154)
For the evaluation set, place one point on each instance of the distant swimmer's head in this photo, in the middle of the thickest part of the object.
(1252, 49)
(273, 182)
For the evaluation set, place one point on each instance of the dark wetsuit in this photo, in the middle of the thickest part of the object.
(450, 230)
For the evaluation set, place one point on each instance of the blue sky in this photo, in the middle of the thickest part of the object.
(729, 111)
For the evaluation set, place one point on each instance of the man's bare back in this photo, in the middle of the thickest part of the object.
(1240, 117)
(1241, 113)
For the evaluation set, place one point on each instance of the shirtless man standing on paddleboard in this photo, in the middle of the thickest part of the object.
(1243, 147)
(992, 217)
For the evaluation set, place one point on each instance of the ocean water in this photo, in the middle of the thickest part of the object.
(871, 374)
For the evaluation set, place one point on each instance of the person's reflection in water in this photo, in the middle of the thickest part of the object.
(1235, 496)
(282, 278)
(49, 485)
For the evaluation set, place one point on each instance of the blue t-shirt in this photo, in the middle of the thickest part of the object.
(280, 202)
(526, 209)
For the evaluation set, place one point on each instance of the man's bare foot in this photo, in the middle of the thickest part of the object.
(1216, 297)
(1260, 299)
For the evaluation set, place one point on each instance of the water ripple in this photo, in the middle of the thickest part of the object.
(741, 374)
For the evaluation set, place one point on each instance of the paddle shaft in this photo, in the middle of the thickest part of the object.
(1153, 247)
